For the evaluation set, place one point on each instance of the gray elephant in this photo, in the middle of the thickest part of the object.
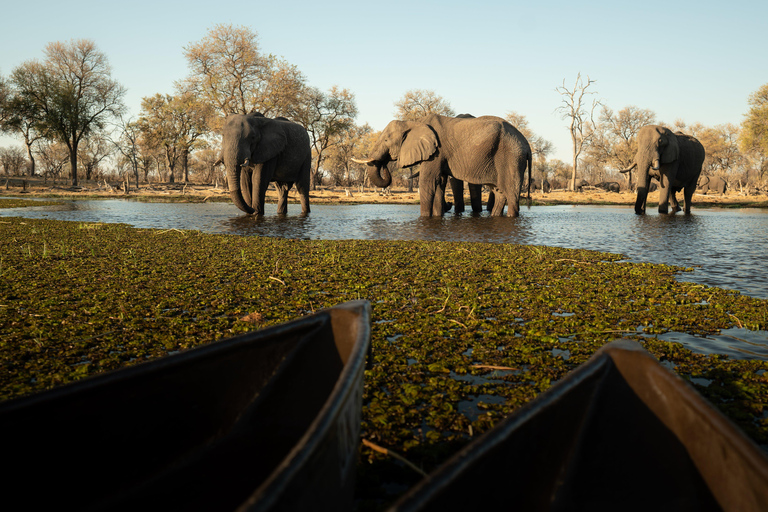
(257, 150)
(675, 159)
(579, 184)
(714, 184)
(482, 151)
(609, 186)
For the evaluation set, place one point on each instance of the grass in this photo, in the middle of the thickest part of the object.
(79, 299)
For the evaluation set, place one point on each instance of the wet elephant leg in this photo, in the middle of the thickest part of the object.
(259, 184)
(282, 196)
(476, 197)
(457, 187)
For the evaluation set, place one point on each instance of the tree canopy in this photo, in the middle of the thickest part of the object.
(71, 92)
(417, 103)
(228, 70)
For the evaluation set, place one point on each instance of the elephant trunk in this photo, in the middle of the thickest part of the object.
(643, 185)
(232, 163)
(379, 175)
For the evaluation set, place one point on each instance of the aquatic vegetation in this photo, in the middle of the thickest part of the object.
(458, 341)
(23, 203)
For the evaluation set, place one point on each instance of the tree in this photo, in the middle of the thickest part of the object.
(174, 123)
(73, 91)
(229, 72)
(575, 107)
(754, 132)
(326, 116)
(12, 161)
(92, 152)
(721, 148)
(19, 114)
(53, 158)
(614, 141)
(417, 103)
(347, 144)
(128, 146)
(540, 147)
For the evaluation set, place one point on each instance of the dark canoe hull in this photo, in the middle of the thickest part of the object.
(621, 432)
(264, 421)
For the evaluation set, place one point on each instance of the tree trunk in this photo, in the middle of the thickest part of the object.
(31, 158)
(73, 163)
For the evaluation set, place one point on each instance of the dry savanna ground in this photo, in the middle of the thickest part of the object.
(198, 192)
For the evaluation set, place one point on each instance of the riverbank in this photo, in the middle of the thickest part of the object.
(78, 299)
(197, 192)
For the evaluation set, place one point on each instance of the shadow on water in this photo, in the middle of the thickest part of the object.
(726, 247)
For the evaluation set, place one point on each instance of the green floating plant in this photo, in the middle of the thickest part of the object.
(459, 341)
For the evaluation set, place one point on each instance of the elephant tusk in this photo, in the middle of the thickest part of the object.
(629, 168)
(368, 162)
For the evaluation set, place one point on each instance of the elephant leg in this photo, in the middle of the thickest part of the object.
(476, 197)
(688, 196)
(431, 190)
(500, 201)
(303, 186)
(491, 200)
(665, 189)
(673, 204)
(282, 196)
(457, 186)
(260, 183)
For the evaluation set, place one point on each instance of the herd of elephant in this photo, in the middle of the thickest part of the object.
(479, 151)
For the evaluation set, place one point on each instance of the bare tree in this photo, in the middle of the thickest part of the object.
(580, 112)
(12, 160)
(127, 144)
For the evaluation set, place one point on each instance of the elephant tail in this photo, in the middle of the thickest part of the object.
(530, 176)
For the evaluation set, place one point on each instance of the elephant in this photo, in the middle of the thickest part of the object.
(675, 159)
(457, 187)
(257, 150)
(714, 183)
(609, 186)
(482, 151)
(578, 185)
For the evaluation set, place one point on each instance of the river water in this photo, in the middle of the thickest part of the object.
(727, 248)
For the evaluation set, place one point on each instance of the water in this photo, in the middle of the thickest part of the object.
(726, 247)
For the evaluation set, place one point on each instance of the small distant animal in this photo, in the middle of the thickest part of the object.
(609, 186)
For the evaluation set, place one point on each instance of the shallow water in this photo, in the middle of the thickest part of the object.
(726, 247)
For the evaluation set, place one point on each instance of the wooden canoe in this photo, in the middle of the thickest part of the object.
(268, 420)
(621, 432)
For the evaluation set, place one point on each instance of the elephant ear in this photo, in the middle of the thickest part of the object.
(272, 143)
(671, 150)
(420, 144)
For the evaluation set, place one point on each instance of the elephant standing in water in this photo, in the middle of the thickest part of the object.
(481, 151)
(675, 159)
(257, 150)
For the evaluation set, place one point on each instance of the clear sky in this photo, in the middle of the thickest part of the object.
(692, 60)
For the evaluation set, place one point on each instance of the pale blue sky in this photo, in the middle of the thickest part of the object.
(692, 60)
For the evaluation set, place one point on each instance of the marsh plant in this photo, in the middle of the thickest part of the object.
(459, 342)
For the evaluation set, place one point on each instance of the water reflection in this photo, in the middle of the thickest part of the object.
(726, 247)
